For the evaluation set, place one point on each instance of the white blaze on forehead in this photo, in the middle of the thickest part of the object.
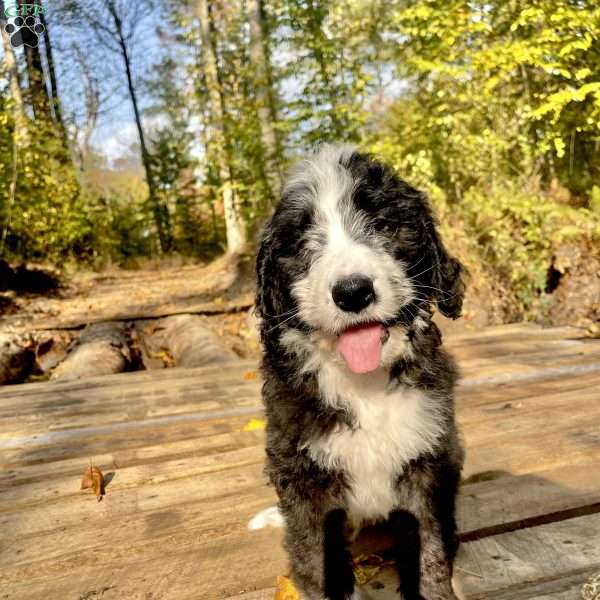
(337, 223)
(341, 243)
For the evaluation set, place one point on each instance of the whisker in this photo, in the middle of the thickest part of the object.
(422, 298)
(447, 294)
(287, 312)
(421, 273)
(283, 322)
(411, 267)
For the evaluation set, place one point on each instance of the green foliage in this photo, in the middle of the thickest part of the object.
(492, 107)
(43, 214)
(331, 41)
(502, 98)
(517, 233)
(498, 89)
(117, 209)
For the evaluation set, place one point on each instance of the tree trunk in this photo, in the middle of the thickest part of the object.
(267, 107)
(234, 222)
(20, 116)
(37, 93)
(55, 100)
(161, 215)
(82, 145)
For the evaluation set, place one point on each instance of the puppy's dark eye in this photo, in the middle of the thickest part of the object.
(305, 219)
(384, 224)
(387, 218)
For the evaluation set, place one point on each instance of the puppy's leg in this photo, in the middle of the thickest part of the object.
(320, 563)
(427, 541)
(439, 539)
(407, 553)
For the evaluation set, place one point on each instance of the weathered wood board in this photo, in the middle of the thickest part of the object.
(186, 477)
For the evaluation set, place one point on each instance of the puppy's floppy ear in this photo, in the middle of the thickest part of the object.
(447, 277)
(269, 298)
(263, 260)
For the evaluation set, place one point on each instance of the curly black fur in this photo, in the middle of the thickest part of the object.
(314, 497)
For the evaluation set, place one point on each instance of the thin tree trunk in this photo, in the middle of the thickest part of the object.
(234, 222)
(92, 107)
(20, 116)
(36, 88)
(267, 111)
(55, 100)
(161, 215)
(37, 93)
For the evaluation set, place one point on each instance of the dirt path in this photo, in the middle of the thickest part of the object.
(218, 287)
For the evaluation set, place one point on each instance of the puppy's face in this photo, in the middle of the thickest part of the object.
(351, 253)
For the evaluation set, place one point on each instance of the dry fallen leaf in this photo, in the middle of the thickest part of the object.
(254, 425)
(367, 566)
(93, 478)
(366, 573)
(164, 355)
(285, 589)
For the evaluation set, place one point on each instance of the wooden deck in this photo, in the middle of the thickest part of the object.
(186, 478)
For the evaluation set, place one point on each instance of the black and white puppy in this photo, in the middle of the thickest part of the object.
(357, 389)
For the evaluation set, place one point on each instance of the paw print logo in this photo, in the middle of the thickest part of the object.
(24, 31)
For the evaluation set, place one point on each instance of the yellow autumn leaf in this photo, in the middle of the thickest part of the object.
(285, 589)
(254, 425)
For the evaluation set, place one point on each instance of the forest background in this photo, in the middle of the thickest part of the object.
(150, 129)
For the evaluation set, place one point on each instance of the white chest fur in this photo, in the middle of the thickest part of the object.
(392, 427)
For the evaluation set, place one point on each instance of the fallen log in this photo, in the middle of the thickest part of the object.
(193, 344)
(16, 358)
(180, 341)
(52, 349)
(101, 349)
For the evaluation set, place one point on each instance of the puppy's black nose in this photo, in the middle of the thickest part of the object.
(353, 293)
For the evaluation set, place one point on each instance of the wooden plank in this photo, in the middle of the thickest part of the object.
(499, 419)
(127, 525)
(484, 509)
(66, 526)
(521, 329)
(71, 408)
(495, 346)
(567, 587)
(20, 471)
(89, 443)
(530, 556)
(47, 391)
(188, 480)
(549, 562)
(72, 522)
(516, 562)
(133, 477)
(186, 570)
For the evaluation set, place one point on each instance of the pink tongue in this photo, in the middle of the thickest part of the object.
(361, 347)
